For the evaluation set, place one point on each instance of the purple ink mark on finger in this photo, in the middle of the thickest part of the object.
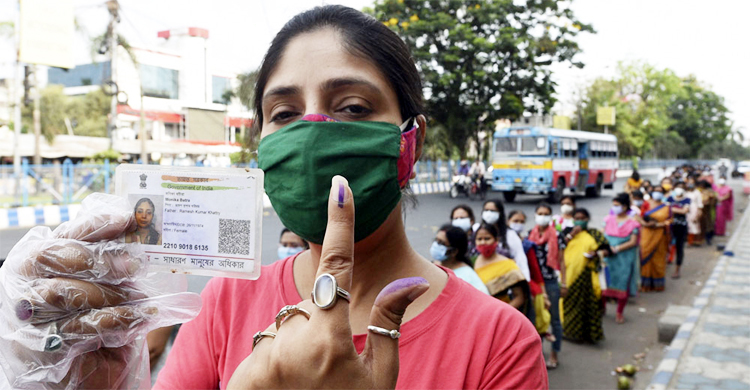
(342, 192)
(24, 310)
(400, 284)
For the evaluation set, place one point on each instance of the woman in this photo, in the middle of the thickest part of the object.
(509, 243)
(695, 212)
(634, 182)
(581, 292)
(708, 216)
(145, 233)
(638, 204)
(450, 250)
(725, 209)
(500, 274)
(349, 67)
(290, 244)
(565, 219)
(680, 205)
(655, 240)
(547, 251)
(621, 230)
(540, 315)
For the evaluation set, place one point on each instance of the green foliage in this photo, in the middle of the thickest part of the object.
(724, 149)
(482, 60)
(658, 113)
(246, 90)
(88, 112)
(112, 155)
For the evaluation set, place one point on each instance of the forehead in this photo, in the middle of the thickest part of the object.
(311, 58)
(460, 213)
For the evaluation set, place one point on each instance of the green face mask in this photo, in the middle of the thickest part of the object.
(582, 224)
(300, 160)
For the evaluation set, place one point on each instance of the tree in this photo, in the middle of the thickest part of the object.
(88, 113)
(699, 116)
(246, 93)
(483, 60)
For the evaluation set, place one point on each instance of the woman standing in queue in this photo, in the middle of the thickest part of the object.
(565, 219)
(680, 204)
(621, 231)
(582, 305)
(547, 249)
(338, 94)
(509, 242)
(725, 209)
(500, 274)
(655, 240)
(450, 250)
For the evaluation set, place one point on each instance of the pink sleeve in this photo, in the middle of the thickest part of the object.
(192, 362)
(519, 367)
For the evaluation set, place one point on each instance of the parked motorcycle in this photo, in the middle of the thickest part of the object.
(463, 184)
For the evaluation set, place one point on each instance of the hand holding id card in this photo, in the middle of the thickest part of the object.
(192, 220)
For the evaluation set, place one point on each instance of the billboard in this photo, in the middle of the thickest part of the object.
(47, 33)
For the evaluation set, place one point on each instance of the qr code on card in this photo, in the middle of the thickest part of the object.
(234, 236)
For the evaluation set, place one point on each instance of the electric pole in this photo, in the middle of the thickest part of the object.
(114, 9)
(37, 119)
(17, 106)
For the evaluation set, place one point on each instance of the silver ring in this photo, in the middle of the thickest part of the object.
(394, 334)
(53, 341)
(288, 311)
(259, 336)
(326, 291)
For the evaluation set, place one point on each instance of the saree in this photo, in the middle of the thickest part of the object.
(582, 308)
(500, 276)
(622, 267)
(725, 210)
(655, 249)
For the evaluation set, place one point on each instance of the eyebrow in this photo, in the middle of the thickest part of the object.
(329, 85)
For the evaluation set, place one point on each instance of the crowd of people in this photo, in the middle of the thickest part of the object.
(562, 272)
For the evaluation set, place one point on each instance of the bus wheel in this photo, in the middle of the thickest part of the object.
(559, 190)
(509, 196)
(596, 190)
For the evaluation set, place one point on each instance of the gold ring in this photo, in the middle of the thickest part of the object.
(288, 311)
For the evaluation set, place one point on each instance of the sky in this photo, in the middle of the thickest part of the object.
(706, 39)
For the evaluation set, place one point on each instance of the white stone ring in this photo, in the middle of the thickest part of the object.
(326, 291)
(259, 336)
(394, 334)
(288, 311)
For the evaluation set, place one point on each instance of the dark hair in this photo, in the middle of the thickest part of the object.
(457, 240)
(501, 225)
(571, 197)
(635, 175)
(362, 36)
(491, 229)
(138, 203)
(637, 194)
(583, 211)
(646, 182)
(304, 242)
(516, 212)
(624, 199)
(704, 184)
(544, 205)
(464, 207)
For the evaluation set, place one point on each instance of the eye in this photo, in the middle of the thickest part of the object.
(355, 111)
(283, 116)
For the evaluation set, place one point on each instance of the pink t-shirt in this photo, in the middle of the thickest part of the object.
(464, 339)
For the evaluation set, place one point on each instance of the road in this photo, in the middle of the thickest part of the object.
(582, 366)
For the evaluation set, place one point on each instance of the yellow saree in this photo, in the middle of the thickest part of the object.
(582, 309)
(655, 249)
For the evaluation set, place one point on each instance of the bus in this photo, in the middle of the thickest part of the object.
(541, 160)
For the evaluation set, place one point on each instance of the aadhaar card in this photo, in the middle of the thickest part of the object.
(193, 220)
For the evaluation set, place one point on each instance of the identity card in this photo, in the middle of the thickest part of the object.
(193, 220)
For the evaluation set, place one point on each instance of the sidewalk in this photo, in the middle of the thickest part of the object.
(712, 348)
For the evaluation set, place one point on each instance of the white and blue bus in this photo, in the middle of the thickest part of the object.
(546, 161)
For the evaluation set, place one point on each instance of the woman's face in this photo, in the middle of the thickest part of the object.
(580, 217)
(484, 238)
(460, 213)
(291, 240)
(144, 214)
(490, 207)
(543, 211)
(517, 218)
(316, 75)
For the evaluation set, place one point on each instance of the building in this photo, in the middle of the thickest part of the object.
(185, 97)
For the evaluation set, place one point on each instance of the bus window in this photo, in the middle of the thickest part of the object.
(506, 145)
(555, 150)
(534, 145)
